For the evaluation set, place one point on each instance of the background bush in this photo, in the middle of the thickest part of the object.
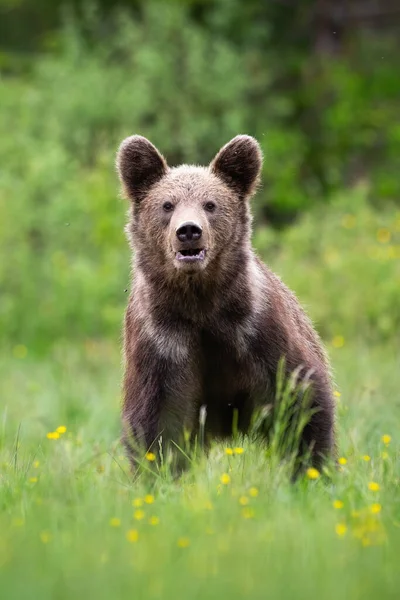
(191, 75)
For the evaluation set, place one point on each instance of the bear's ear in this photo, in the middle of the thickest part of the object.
(238, 164)
(139, 166)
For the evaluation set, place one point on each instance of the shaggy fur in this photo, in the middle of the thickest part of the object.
(209, 332)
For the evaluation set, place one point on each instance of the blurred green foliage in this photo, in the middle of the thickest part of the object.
(191, 75)
(344, 263)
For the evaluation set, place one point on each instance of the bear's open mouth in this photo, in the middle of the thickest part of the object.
(191, 255)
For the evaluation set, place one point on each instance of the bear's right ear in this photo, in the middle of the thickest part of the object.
(139, 166)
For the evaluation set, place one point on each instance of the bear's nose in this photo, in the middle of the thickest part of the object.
(189, 232)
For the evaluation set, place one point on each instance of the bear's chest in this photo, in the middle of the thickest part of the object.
(228, 384)
(220, 366)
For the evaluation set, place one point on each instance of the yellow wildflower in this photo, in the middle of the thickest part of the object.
(247, 512)
(383, 235)
(341, 529)
(375, 508)
(312, 473)
(45, 536)
(373, 486)
(35, 464)
(253, 492)
(243, 500)
(150, 456)
(342, 460)
(338, 504)
(238, 450)
(137, 502)
(331, 256)
(154, 520)
(138, 514)
(386, 439)
(52, 435)
(225, 479)
(132, 535)
(33, 479)
(115, 522)
(338, 341)
(348, 221)
(228, 451)
(149, 499)
(370, 529)
(366, 457)
(337, 394)
(20, 351)
(61, 429)
(183, 542)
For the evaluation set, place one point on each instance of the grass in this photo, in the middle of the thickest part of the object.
(73, 523)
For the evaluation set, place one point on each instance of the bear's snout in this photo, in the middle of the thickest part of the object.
(189, 243)
(189, 232)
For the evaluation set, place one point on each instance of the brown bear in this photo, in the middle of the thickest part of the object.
(207, 322)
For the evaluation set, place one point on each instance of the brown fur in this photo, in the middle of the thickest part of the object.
(211, 333)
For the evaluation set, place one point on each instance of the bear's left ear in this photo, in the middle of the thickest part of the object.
(140, 165)
(238, 164)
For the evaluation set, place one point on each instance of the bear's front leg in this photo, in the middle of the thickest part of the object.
(144, 398)
(160, 401)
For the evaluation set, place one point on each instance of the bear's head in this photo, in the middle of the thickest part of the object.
(187, 220)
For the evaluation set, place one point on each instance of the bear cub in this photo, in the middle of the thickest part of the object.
(207, 322)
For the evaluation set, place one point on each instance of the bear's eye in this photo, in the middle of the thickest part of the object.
(210, 206)
(168, 206)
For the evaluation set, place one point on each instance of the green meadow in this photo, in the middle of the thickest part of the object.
(75, 522)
